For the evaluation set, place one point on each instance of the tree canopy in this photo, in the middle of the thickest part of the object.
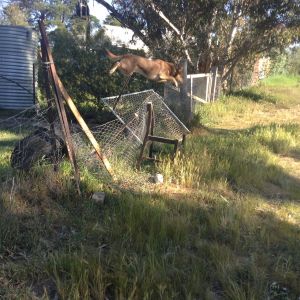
(210, 32)
(110, 20)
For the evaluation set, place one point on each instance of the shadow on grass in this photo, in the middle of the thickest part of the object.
(256, 96)
(295, 154)
(244, 159)
(140, 244)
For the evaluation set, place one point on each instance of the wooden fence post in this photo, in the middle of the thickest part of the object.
(206, 89)
(191, 96)
(186, 102)
(50, 105)
(215, 78)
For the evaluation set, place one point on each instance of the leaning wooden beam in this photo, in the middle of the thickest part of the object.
(152, 133)
(162, 140)
(50, 105)
(84, 127)
(76, 113)
(60, 108)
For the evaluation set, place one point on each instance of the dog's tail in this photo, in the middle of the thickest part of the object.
(112, 56)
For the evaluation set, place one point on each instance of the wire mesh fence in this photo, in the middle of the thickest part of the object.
(132, 110)
(201, 88)
(120, 139)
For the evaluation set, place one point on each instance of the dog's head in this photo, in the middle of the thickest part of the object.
(179, 74)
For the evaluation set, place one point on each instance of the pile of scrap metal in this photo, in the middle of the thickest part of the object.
(39, 146)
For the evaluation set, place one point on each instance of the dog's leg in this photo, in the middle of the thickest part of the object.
(114, 68)
(123, 88)
(164, 78)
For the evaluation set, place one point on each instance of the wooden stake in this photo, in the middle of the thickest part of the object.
(77, 115)
(60, 106)
(148, 128)
(84, 127)
(152, 133)
(152, 138)
(50, 112)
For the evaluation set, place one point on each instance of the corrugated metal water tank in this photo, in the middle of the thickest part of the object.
(17, 55)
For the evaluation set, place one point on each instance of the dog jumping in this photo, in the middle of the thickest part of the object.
(153, 69)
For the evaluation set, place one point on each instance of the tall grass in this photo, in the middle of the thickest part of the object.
(244, 159)
(225, 225)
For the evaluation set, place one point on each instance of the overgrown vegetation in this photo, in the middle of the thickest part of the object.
(287, 62)
(224, 225)
(84, 67)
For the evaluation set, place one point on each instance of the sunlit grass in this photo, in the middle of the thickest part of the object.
(262, 104)
(282, 81)
(224, 225)
(244, 159)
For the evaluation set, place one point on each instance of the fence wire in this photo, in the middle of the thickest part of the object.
(120, 139)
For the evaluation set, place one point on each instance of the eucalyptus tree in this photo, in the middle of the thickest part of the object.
(12, 15)
(55, 12)
(210, 32)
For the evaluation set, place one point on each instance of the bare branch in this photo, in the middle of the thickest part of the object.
(124, 22)
(175, 29)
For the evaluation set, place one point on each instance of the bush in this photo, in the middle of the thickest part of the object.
(83, 68)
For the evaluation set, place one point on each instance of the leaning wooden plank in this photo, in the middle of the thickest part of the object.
(60, 106)
(50, 105)
(148, 128)
(84, 126)
(75, 111)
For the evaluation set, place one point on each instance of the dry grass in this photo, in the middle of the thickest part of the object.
(225, 225)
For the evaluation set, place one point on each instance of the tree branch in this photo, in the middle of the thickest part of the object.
(175, 29)
(120, 18)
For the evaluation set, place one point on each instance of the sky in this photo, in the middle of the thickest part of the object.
(2, 3)
(98, 10)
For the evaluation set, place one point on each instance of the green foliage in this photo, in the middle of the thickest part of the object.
(83, 68)
(287, 63)
(13, 15)
(109, 20)
(294, 61)
(210, 33)
(279, 64)
(56, 12)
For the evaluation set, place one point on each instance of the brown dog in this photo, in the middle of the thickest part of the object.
(156, 69)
